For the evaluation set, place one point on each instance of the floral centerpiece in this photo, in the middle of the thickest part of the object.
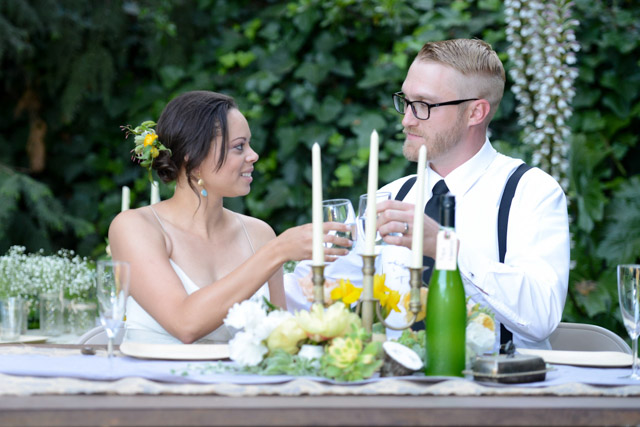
(31, 275)
(270, 341)
(344, 291)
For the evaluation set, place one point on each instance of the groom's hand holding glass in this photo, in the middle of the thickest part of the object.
(395, 224)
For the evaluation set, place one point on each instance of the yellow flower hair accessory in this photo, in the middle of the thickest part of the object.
(148, 147)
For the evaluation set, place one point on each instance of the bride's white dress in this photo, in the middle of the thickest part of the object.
(141, 327)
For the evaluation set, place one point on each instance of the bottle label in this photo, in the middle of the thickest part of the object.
(446, 250)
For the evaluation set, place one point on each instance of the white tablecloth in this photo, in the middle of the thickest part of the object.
(28, 370)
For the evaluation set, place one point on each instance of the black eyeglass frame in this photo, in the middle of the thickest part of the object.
(405, 102)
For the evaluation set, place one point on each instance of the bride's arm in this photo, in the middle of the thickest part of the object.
(156, 287)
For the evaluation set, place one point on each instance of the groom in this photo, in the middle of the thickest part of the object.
(450, 94)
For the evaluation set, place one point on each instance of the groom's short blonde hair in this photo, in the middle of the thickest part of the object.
(475, 60)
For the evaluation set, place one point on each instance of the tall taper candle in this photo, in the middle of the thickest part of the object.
(316, 206)
(370, 223)
(126, 196)
(418, 214)
(155, 192)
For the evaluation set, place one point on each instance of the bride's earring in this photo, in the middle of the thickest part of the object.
(203, 191)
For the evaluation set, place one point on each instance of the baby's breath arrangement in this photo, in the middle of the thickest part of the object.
(148, 147)
(29, 275)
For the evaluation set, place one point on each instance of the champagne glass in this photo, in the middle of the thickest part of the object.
(629, 295)
(339, 210)
(112, 291)
(381, 196)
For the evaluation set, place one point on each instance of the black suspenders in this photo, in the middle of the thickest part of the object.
(503, 220)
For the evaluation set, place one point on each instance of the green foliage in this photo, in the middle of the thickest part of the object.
(30, 213)
(415, 340)
(282, 363)
(301, 71)
(604, 175)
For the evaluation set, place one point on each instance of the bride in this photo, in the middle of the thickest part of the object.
(191, 259)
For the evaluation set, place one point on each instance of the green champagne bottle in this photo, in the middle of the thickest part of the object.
(446, 320)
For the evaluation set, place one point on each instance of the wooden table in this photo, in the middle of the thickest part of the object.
(141, 410)
(330, 410)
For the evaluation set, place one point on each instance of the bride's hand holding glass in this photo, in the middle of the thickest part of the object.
(298, 241)
(339, 210)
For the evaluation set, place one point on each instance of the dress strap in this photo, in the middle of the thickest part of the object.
(159, 220)
(246, 233)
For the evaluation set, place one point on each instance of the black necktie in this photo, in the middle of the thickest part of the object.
(432, 209)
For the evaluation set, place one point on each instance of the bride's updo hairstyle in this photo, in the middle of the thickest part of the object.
(188, 126)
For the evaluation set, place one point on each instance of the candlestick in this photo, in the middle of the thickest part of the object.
(155, 192)
(126, 196)
(318, 284)
(316, 206)
(370, 223)
(366, 299)
(418, 215)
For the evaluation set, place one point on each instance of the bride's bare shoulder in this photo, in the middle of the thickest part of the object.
(259, 230)
(134, 222)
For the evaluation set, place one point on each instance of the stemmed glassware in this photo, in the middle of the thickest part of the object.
(629, 295)
(112, 291)
(381, 196)
(340, 210)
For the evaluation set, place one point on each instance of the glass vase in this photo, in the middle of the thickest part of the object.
(51, 314)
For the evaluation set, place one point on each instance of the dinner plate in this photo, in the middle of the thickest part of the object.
(32, 339)
(175, 351)
(603, 359)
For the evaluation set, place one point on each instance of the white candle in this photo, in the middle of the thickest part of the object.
(316, 206)
(155, 192)
(418, 215)
(370, 218)
(125, 198)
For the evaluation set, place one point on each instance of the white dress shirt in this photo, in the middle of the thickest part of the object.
(527, 293)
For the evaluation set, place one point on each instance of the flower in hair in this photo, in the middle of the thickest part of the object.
(148, 147)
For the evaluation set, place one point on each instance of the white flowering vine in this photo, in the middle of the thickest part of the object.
(542, 51)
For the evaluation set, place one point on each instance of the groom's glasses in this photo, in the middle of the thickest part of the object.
(421, 110)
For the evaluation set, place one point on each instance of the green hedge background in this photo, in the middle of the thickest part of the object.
(73, 71)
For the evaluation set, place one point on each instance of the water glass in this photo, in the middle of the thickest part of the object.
(112, 292)
(339, 210)
(381, 196)
(11, 318)
(629, 295)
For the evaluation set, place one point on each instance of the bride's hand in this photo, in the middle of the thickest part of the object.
(298, 241)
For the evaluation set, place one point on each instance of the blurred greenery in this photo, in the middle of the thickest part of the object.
(73, 71)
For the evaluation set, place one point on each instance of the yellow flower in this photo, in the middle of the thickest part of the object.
(149, 139)
(485, 320)
(154, 152)
(320, 324)
(378, 286)
(345, 351)
(286, 336)
(423, 309)
(388, 299)
(346, 292)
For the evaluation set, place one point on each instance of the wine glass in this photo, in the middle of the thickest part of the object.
(381, 196)
(112, 291)
(629, 295)
(339, 210)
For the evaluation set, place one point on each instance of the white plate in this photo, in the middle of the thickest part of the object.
(26, 339)
(603, 359)
(175, 351)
